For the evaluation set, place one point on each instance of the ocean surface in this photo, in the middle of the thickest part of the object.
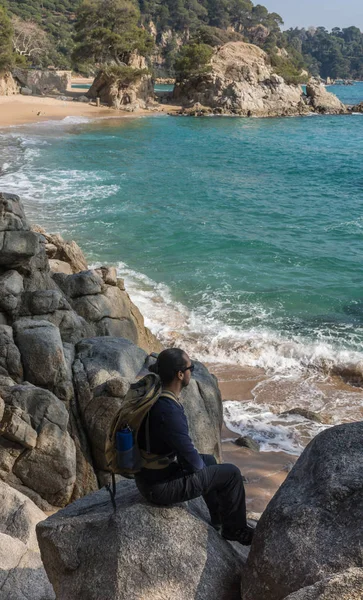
(239, 239)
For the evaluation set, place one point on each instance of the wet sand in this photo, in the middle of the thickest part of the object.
(266, 471)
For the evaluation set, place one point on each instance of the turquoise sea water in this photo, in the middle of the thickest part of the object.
(240, 239)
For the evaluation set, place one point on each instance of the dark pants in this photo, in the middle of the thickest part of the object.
(220, 485)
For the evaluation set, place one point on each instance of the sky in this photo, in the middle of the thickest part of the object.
(328, 13)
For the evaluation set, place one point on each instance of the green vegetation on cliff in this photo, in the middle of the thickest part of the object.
(173, 23)
(6, 34)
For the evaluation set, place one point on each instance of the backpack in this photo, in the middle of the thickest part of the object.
(123, 455)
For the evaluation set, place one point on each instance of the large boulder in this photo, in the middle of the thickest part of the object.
(343, 586)
(137, 552)
(313, 527)
(242, 81)
(323, 101)
(103, 370)
(39, 452)
(22, 574)
(42, 354)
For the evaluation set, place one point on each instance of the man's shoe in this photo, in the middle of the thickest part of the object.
(243, 536)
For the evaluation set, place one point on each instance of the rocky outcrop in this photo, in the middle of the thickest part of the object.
(8, 85)
(70, 345)
(43, 82)
(322, 101)
(22, 574)
(137, 552)
(344, 586)
(312, 528)
(357, 108)
(129, 91)
(63, 256)
(241, 81)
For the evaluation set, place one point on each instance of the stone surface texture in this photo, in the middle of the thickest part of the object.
(313, 526)
(347, 585)
(138, 552)
(242, 81)
(22, 575)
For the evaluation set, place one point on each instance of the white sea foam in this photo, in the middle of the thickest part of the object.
(209, 339)
(287, 433)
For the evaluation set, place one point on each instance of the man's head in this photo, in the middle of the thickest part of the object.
(173, 367)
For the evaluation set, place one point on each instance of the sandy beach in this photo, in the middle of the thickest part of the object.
(19, 110)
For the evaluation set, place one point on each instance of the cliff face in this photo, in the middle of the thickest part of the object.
(8, 85)
(242, 82)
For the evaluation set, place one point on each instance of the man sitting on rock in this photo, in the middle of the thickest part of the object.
(189, 474)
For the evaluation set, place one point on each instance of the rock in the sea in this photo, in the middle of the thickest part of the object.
(347, 585)
(138, 552)
(357, 108)
(323, 101)
(22, 575)
(246, 441)
(242, 82)
(313, 526)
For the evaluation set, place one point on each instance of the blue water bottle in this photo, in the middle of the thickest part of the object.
(124, 440)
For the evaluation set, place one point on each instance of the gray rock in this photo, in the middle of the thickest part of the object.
(43, 302)
(22, 575)
(41, 350)
(313, 526)
(113, 304)
(3, 319)
(203, 406)
(108, 274)
(106, 358)
(50, 468)
(125, 328)
(15, 426)
(17, 246)
(347, 585)
(10, 360)
(138, 552)
(19, 516)
(11, 287)
(246, 441)
(41, 405)
(60, 266)
(80, 284)
(12, 216)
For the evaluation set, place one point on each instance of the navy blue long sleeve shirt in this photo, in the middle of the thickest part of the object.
(169, 434)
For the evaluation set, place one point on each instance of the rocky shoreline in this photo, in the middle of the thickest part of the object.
(71, 343)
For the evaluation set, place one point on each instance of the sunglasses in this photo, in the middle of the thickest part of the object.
(191, 368)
